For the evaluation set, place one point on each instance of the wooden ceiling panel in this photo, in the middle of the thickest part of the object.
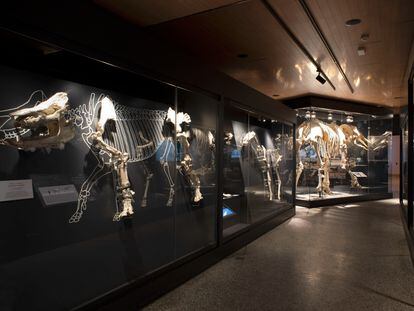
(275, 65)
(150, 12)
(391, 31)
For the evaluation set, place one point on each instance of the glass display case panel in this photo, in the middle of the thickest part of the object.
(196, 196)
(341, 154)
(89, 188)
(235, 212)
(404, 160)
(380, 138)
(258, 169)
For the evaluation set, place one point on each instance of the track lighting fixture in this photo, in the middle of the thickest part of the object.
(320, 78)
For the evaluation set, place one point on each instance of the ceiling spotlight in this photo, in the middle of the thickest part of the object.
(361, 51)
(313, 115)
(330, 116)
(273, 121)
(352, 22)
(263, 120)
(320, 78)
(349, 119)
(307, 114)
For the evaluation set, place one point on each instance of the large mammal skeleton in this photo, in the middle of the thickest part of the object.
(328, 141)
(121, 135)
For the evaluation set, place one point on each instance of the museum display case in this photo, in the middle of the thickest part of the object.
(257, 168)
(341, 156)
(110, 179)
(122, 180)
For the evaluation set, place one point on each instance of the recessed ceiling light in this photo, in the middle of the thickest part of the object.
(275, 95)
(242, 55)
(353, 22)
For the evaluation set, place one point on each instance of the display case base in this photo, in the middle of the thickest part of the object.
(342, 199)
(139, 293)
(409, 234)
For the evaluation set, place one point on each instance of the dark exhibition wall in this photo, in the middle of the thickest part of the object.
(407, 168)
(67, 213)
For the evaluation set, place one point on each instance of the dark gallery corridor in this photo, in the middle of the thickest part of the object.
(207, 155)
(342, 257)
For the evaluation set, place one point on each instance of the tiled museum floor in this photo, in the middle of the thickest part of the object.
(343, 257)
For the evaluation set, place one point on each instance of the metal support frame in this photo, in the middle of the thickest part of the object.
(325, 42)
(295, 39)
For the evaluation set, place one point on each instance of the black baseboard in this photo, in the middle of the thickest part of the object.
(344, 200)
(140, 293)
(409, 234)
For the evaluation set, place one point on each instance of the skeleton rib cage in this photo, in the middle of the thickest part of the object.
(135, 131)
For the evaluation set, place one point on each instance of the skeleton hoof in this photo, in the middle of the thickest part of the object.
(75, 217)
(117, 217)
(125, 213)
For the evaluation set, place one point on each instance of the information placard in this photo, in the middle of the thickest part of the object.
(58, 194)
(19, 189)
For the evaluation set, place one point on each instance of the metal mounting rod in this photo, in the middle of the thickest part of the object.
(325, 41)
(296, 40)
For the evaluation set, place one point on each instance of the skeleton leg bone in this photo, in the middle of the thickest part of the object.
(118, 159)
(149, 175)
(167, 172)
(326, 181)
(85, 191)
(299, 170)
(186, 170)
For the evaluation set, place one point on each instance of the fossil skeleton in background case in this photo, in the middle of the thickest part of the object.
(329, 141)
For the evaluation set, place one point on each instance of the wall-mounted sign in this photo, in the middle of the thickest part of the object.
(19, 189)
(58, 194)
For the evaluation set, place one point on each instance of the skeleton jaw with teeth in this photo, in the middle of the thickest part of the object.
(43, 126)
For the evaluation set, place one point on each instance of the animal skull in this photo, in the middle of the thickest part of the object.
(45, 125)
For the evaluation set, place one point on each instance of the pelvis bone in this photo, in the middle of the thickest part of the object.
(43, 126)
